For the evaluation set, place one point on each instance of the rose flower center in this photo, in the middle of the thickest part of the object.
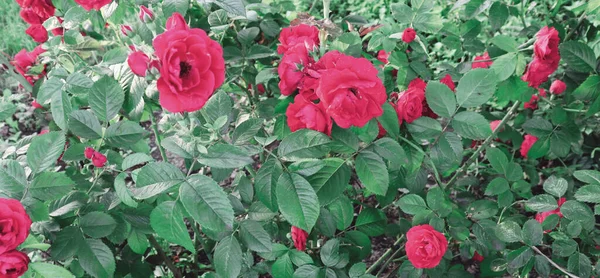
(184, 69)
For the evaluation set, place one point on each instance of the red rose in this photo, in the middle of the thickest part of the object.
(351, 91)
(527, 144)
(532, 103)
(495, 124)
(306, 114)
(89, 152)
(425, 246)
(29, 16)
(13, 264)
(542, 92)
(145, 14)
(558, 87)
(299, 237)
(93, 4)
(409, 35)
(126, 30)
(24, 60)
(541, 216)
(14, 224)
(138, 63)
(383, 56)
(36, 11)
(546, 44)
(477, 257)
(291, 69)
(410, 105)
(38, 33)
(98, 159)
(546, 57)
(485, 64)
(447, 80)
(192, 66)
(420, 85)
(303, 34)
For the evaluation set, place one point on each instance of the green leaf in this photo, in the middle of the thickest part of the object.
(504, 66)
(580, 264)
(51, 186)
(122, 192)
(138, 242)
(67, 242)
(167, 221)
(304, 143)
(471, 125)
(344, 140)
(508, 231)
(235, 7)
(85, 124)
(124, 133)
(46, 270)
(425, 128)
(532, 233)
(556, 186)
(225, 156)
(96, 258)
(7, 109)
(331, 180)
(258, 51)
(588, 176)
(97, 224)
(283, 267)
(538, 127)
(564, 247)
(48, 89)
(115, 56)
(332, 256)
(245, 131)
(207, 203)
(437, 201)
(372, 172)
(497, 159)
(498, 15)
(412, 204)
(45, 150)
(541, 203)
(390, 150)
(519, 257)
(497, 186)
(389, 120)
(156, 178)
(74, 16)
(61, 109)
(371, 221)
(447, 153)
(440, 99)
(342, 212)
(265, 183)
(106, 98)
(505, 43)
(482, 209)
(402, 13)
(172, 6)
(12, 177)
(217, 106)
(476, 87)
(576, 211)
(135, 159)
(578, 56)
(589, 193)
(227, 257)
(255, 237)
(297, 201)
(308, 271)
(247, 36)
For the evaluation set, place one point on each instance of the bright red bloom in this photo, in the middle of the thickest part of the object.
(306, 114)
(527, 144)
(14, 225)
(546, 57)
(351, 91)
(30, 16)
(477, 257)
(410, 105)
(36, 105)
(192, 66)
(420, 85)
(546, 44)
(541, 216)
(89, 152)
(532, 103)
(383, 56)
(447, 80)
(93, 4)
(409, 35)
(36, 11)
(126, 30)
(146, 15)
(138, 62)
(558, 87)
(291, 69)
(299, 237)
(425, 247)
(485, 64)
(542, 92)
(13, 264)
(98, 159)
(495, 124)
(303, 34)
(24, 60)
(38, 33)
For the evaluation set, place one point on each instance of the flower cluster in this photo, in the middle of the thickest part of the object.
(93, 4)
(546, 57)
(14, 229)
(35, 12)
(98, 159)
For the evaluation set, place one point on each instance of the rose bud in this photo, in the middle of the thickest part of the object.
(299, 237)
(409, 35)
(138, 63)
(126, 30)
(89, 152)
(145, 14)
(558, 87)
(99, 160)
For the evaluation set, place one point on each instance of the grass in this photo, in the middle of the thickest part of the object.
(12, 33)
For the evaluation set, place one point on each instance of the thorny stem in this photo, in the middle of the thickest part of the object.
(553, 263)
(572, 32)
(164, 256)
(384, 256)
(382, 268)
(485, 143)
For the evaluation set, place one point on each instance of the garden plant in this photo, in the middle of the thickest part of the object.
(277, 138)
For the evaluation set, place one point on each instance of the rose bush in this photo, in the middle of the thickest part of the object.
(231, 138)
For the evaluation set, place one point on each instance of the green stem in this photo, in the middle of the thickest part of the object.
(553, 263)
(198, 237)
(384, 256)
(522, 14)
(388, 261)
(572, 32)
(164, 256)
(485, 143)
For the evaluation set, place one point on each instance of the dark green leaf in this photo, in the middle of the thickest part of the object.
(440, 99)
(207, 203)
(304, 143)
(85, 124)
(476, 87)
(227, 257)
(97, 224)
(106, 98)
(167, 221)
(372, 172)
(297, 201)
(45, 150)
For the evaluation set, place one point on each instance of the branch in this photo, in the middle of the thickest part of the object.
(163, 255)
(553, 263)
(384, 256)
